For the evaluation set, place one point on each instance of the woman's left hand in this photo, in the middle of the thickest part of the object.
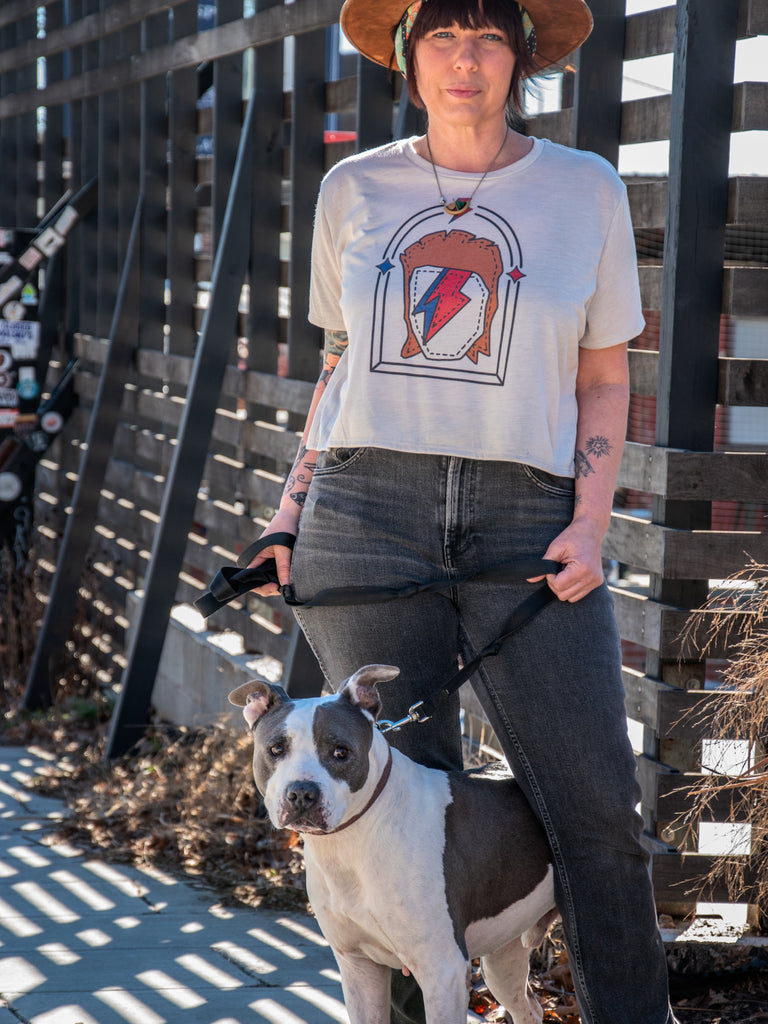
(578, 549)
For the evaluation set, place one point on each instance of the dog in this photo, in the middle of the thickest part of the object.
(407, 867)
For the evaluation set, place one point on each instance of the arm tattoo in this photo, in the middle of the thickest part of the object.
(582, 465)
(300, 477)
(336, 343)
(598, 446)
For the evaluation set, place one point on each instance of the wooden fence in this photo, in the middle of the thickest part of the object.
(184, 298)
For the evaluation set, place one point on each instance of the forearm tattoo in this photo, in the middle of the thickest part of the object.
(300, 477)
(304, 465)
(582, 465)
(597, 447)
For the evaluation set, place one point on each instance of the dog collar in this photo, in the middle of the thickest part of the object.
(374, 797)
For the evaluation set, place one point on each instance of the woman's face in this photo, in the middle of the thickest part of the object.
(464, 74)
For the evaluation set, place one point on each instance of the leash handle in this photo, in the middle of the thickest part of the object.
(231, 581)
(285, 540)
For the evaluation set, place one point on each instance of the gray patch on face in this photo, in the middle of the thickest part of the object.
(484, 876)
(269, 731)
(342, 736)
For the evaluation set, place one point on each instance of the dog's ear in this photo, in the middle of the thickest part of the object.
(256, 698)
(360, 689)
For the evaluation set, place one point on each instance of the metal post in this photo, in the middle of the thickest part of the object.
(148, 633)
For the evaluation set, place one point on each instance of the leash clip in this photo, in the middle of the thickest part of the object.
(385, 725)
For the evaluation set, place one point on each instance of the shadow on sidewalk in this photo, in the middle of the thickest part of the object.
(83, 941)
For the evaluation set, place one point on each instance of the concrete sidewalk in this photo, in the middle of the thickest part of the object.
(83, 941)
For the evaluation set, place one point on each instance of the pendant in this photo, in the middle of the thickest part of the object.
(456, 207)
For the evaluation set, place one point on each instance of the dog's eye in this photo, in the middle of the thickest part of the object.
(277, 750)
(341, 753)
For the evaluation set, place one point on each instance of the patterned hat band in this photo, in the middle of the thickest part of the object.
(406, 25)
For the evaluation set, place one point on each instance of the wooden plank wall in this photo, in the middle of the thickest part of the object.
(134, 93)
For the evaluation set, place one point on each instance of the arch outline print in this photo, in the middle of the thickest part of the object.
(445, 298)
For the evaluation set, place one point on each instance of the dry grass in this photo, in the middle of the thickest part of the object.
(739, 712)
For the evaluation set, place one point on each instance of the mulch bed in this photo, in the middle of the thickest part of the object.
(184, 801)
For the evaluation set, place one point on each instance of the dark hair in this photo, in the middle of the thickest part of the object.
(501, 14)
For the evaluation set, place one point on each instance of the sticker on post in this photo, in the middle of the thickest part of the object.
(52, 422)
(22, 337)
(10, 486)
(27, 385)
(14, 310)
(49, 242)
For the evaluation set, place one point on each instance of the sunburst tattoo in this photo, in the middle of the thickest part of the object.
(598, 446)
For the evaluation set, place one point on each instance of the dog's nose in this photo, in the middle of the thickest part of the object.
(303, 795)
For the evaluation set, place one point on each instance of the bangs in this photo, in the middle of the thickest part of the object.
(436, 14)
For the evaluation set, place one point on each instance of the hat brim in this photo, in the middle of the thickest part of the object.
(561, 27)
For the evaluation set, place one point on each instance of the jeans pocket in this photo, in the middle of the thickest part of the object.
(558, 486)
(335, 460)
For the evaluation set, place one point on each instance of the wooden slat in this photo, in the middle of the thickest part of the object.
(747, 200)
(664, 628)
(15, 10)
(679, 879)
(264, 27)
(670, 712)
(555, 125)
(745, 289)
(743, 382)
(649, 33)
(279, 392)
(649, 119)
(643, 371)
(641, 697)
(682, 554)
(693, 476)
(89, 29)
(648, 772)
(753, 18)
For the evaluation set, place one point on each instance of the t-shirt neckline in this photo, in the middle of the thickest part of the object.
(514, 168)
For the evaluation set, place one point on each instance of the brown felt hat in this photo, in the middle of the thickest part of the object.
(561, 27)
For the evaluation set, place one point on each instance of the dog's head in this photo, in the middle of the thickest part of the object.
(312, 759)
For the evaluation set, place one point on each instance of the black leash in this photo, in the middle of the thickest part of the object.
(234, 581)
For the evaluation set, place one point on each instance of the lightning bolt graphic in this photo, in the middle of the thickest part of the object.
(443, 300)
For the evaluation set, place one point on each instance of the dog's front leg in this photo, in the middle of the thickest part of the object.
(366, 988)
(445, 987)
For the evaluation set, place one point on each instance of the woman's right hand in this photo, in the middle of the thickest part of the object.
(283, 522)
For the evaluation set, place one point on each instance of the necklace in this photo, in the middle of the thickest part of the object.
(458, 206)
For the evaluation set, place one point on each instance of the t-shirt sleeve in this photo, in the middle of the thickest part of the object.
(325, 276)
(614, 312)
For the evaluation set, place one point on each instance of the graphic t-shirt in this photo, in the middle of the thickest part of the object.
(464, 331)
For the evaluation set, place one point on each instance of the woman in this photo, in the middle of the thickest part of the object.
(477, 289)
